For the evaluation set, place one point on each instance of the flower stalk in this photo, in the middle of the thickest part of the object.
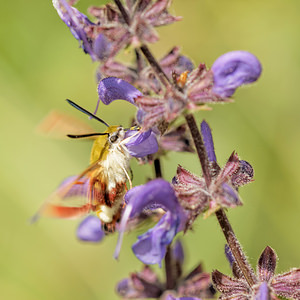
(199, 145)
(145, 50)
(174, 88)
(200, 148)
(155, 65)
(169, 269)
(220, 214)
(157, 168)
(123, 11)
(235, 247)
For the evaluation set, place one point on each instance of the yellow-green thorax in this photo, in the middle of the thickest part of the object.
(109, 178)
(102, 144)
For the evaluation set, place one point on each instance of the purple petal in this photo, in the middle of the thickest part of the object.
(140, 115)
(184, 64)
(102, 47)
(229, 255)
(144, 143)
(155, 194)
(208, 141)
(263, 292)
(178, 252)
(76, 21)
(151, 246)
(126, 289)
(234, 69)
(233, 264)
(90, 230)
(229, 196)
(112, 88)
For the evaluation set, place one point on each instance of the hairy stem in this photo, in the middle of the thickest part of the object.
(235, 248)
(201, 151)
(199, 145)
(145, 50)
(232, 241)
(155, 65)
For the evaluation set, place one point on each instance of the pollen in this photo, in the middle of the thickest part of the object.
(181, 80)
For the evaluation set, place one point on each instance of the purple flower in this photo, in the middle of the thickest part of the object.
(90, 230)
(208, 141)
(268, 284)
(194, 88)
(234, 69)
(96, 45)
(142, 144)
(146, 284)
(141, 75)
(178, 253)
(137, 27)
(196, 197)
(151, 246)
(112, 88)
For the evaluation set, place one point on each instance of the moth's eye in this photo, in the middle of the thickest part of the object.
(113, 138)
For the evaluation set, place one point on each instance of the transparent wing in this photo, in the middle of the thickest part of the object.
(57, 125)
(72, 199)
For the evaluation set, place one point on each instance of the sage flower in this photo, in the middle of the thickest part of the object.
(268, 285)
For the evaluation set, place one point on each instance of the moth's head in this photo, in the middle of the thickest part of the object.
(115, 134)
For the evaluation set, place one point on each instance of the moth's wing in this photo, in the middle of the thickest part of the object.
(72, 198)
(57, 125)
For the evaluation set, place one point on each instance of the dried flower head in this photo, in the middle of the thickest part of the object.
(268, 285)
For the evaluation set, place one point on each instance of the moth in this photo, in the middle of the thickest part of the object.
(100, 188)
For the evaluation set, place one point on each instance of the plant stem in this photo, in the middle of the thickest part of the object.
(123, 11)
(197, 138)
(144, 48)
(235, 248)
(169, 268)
(155, 65)
(157, 168)
(231, 239)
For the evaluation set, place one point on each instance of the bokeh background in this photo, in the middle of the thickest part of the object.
(41, 65)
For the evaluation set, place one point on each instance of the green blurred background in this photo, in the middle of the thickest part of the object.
(41, 65)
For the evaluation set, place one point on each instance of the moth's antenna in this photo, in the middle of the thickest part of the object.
(86, 112)
(78, 136)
